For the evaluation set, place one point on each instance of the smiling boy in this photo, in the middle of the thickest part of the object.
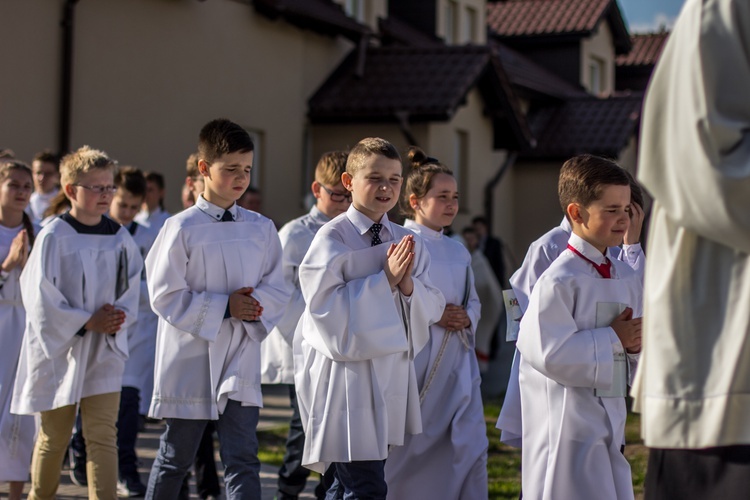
(579, 343)
(368, 305)
(215, 281)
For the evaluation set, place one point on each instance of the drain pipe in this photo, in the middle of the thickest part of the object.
(66, 84)
(405, 127)
(510, 160)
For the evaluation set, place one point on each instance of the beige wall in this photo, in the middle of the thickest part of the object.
(29, 87)
(599, 46)
(149, 73)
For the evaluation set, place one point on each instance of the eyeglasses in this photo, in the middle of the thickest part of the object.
(337, 197)
(110, 189)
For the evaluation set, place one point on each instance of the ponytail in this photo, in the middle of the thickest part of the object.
(29, 227)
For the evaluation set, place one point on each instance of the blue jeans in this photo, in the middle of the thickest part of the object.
(238, 447)
(363, 480)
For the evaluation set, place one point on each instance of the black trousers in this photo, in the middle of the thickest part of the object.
(712, 473)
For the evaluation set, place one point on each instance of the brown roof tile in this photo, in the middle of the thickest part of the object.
(426, 84)
(585, 125)
(646, 50)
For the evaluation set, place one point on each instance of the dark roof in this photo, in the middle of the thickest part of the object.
(425, 84)
(394, 31)
(321, 16)
(585, 125)
(524, 19)
(531, 78)
(646, 50)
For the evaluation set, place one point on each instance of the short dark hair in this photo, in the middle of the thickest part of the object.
(156, 178)
(636, 193)
(367, 147)
(583, 177)
(221, 136)
(131, 180)
(48, 156)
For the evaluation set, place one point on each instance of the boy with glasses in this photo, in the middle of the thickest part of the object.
(276, 352)
(80, 289)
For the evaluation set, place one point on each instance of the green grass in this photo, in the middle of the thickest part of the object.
(503, 462)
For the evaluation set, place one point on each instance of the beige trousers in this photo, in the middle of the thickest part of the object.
(99, 418)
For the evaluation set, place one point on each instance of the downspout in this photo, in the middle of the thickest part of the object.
(510, 160)
(66, 84)
(405, 127)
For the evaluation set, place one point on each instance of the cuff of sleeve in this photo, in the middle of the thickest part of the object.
(82, 331)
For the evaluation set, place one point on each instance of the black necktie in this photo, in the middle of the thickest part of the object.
(227, 217)
(375, 230)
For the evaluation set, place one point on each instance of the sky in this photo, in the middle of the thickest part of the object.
(649, 15)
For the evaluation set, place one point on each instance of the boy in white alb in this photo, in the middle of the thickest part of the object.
(46, 170)
(368, 307)
(276, 351)
(540, 255)
(80, 288)
(215, 280)
(579, 343)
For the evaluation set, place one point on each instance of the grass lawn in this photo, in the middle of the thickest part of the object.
(503, 462)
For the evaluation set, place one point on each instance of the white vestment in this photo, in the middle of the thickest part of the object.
(16, 431)
(571, 437)
(355, 344)
(153, 220)
(277, 363)
(202, 357)
(39, 202)
(139, 368)
(693, 386)
(449, 458)
(540, 255)
(68, 277)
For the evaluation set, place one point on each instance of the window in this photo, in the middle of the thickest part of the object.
(461, 166)
(596, 76)
(470, 25)
(257, 172)
(451, 22)
(355, 9)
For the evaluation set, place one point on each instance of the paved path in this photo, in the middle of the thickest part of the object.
(276, 412)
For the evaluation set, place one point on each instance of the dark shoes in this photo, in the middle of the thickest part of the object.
(77, 469)
(129, 487)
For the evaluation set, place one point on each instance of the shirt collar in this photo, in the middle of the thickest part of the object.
(318, 216)
(565, 225)
(586, 249)
(214, 211)
(422, 230)
(363, 223)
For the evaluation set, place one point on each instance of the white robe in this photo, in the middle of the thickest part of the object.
(693, 385)
(540, 255)
(277, 363)
(571, 437)
(449, 458)
(39, 202)
(202, 358)
(355, 344)
(153, 220)
(67, 278)
(17, 432)
(139, 368)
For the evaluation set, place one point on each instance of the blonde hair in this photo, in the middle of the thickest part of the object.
(330, 167)
(368, 147)
(82, 161)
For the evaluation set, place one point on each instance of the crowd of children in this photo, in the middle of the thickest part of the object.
(111, 312)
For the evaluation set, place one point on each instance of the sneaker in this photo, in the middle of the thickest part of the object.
(131, 487)
(77, 470)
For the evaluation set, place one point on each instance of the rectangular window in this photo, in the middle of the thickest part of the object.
(596, 76)
(451, 22)
(355, 9)
(460, 166)
(470, 25)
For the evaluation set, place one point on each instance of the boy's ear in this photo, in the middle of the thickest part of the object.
(574, 212)
(346, 180)
(203, 168)
(315, 189)
(70, 191)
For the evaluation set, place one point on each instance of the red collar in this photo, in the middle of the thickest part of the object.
(604, 270)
